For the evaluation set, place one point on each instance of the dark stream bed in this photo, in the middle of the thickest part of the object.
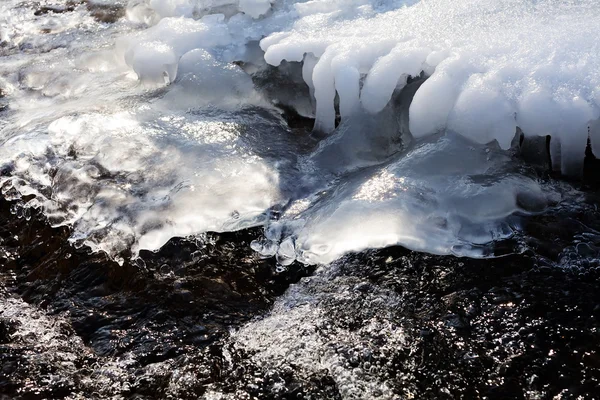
(77, 325)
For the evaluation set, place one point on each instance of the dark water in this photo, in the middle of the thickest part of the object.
(76, 325)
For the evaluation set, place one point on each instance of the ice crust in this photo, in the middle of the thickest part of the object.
(492, 65)
(429, 93)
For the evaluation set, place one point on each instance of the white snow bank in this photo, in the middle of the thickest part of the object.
(494, 65)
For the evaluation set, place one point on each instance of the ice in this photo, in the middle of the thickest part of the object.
(422, 199)
(254, 8)
(154, 62)
(156, 51)
(390, 73)
(129, 168)
(149, 11)
(208, 81)
(138, 181)
(173, 8)
(163, 123)
(492, 65)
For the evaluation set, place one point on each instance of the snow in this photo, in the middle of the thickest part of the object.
(492, 65)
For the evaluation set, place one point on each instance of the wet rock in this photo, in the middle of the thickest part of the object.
(386, 323)
(429, 327)
(108, 13)
(7, 329)
(535, 151)
(591, 167)
(148, 315)
(69, 6)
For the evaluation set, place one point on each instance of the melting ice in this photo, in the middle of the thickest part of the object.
(169, 121)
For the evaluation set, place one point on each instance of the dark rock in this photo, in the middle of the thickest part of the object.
(105, 13)
(120, 310)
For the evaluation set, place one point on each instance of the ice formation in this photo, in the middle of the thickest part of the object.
(150, 11)
(425, 92)
(492, 65)
(154, 53)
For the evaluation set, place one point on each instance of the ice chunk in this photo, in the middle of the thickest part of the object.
(179, 176)
(153, 62)
(492, 65)
(483, 115)
(443, 197)
(435, 99)
(391, 72)
(167, 41)
(173, 8)
(255, 8)
(203, 79)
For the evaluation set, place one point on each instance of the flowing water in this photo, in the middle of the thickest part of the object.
(323, 199)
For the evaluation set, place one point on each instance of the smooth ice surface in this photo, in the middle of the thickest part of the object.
(422, 199)
(152, 127)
